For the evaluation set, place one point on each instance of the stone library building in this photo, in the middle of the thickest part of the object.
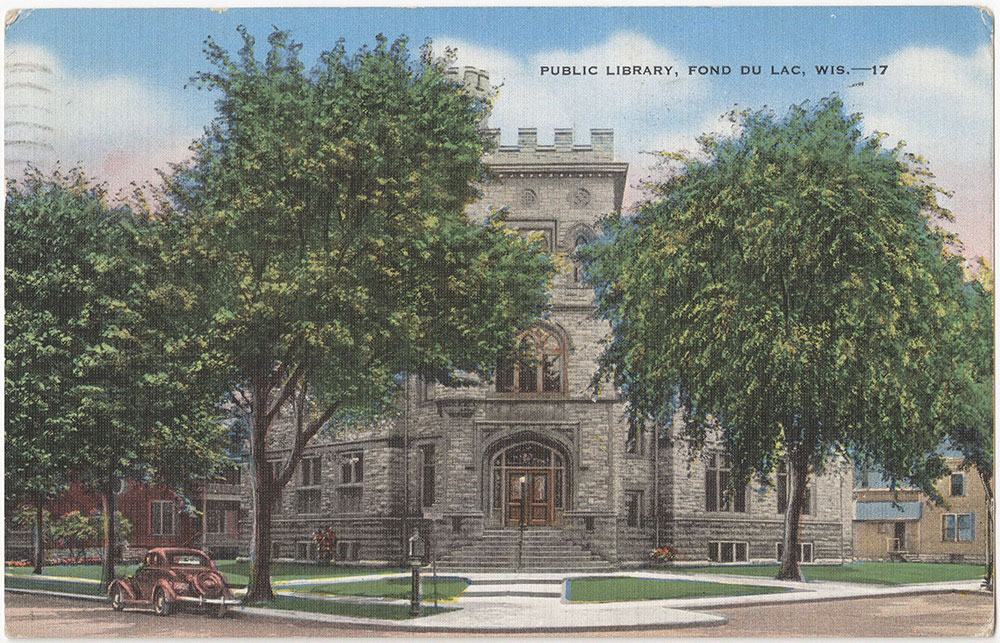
(529, 471)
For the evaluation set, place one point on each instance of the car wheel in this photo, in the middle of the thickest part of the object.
(161, 605)
(117, 600)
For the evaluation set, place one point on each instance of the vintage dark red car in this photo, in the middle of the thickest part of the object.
(170, 577)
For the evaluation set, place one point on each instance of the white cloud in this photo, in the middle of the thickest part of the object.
(116, 127)
(630, 104)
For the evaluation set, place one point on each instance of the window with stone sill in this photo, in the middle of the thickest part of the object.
(719, 492)
(538, 366)
(307, 496)
(633, 508)
(634, 438)
(805, 552)
(352, 467)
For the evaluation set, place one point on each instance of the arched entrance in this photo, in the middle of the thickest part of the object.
(528, 481)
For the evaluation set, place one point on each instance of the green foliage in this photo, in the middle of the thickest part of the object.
(793, 290)
(93, 390)
(322, 228)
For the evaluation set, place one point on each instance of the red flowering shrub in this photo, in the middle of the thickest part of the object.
(664, 554)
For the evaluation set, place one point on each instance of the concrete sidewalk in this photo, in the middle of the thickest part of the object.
(522, 603)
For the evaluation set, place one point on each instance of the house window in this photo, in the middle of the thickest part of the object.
(633, 440)
(958, 527)
(727, 552)
(782, 489)
(307, 496)
(538, 367)
(427, 473)
(805, 552)
(352, 467)
(958, 484)
(215, 519)
(633, 508)
(719, 494)
(161, 517)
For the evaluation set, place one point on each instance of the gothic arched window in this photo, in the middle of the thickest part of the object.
(538, 365)
(577, 264)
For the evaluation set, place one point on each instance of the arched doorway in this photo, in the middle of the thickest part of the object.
(528, 482)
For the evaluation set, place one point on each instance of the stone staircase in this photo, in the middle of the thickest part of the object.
(544, 549)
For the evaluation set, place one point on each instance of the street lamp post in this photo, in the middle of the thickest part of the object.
(417, 551)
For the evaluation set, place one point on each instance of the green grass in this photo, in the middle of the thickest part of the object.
(871, 573)
(68, 587)
(364, 610)
(626, 588)
(391, 588)
(93, 572)
(236, 574)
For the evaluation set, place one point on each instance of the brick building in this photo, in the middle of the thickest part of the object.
(466, 465)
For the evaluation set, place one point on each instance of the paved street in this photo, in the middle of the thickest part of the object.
(953, 614)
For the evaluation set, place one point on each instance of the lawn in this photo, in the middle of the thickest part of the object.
(236, 574)
(392, 588)
(93, 572)
(67, 587)
(871, 573)
(364, 610)
(626, 588)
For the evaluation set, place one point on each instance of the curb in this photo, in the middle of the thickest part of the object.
(335, 621)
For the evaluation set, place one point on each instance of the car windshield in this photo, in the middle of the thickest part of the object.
(188, 560)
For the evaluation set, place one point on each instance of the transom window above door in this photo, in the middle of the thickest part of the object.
(538, 365)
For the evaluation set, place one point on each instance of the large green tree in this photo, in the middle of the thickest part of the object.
(969, 407)
(325, 226)
(100, 384)
(789, 287)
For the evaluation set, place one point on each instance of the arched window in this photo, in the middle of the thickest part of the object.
(537, 367)
(577, 264)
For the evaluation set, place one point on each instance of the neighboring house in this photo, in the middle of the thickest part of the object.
(467, 465)
(159, 518)
(907, 526)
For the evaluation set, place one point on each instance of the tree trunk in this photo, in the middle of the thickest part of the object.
(988, 487)
(109, 508)
(39, 544)
(259, 588)
(798, 471)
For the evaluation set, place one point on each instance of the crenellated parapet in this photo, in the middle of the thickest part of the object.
(475, 81)
(563, 149)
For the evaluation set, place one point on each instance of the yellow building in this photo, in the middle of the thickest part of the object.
(907, 526)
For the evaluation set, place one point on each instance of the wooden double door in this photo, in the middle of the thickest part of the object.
(530, 497)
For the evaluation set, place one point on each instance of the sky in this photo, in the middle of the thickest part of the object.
(115, 99)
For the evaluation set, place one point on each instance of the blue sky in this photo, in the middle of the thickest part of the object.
(124, 109)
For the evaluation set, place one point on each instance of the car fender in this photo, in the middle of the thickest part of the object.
(126, 589)
(167, 589)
